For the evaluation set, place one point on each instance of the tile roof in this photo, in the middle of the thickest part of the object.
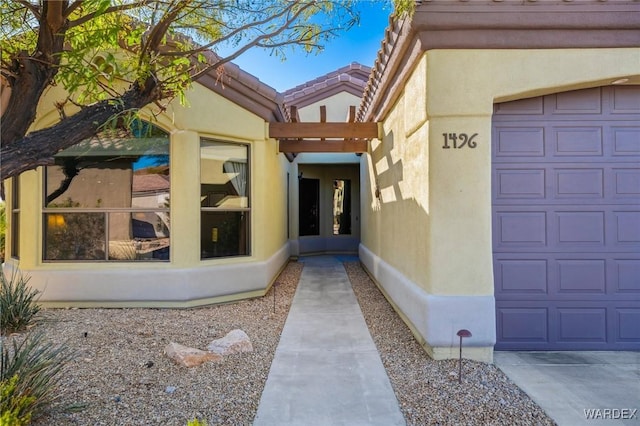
(493, 24)
(150, 183)
(351, 78)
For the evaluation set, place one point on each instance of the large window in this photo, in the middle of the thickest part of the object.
(224, 199)
(107, 198)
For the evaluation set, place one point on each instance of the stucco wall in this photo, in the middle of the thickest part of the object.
(431, 224)
(337, 108)
(185, 280)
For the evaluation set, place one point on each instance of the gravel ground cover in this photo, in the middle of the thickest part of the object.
(122, 377)
(428, 391)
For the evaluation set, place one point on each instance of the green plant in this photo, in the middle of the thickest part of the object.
(18, 307)
(29, 372)
(14, 408)
(196, 422)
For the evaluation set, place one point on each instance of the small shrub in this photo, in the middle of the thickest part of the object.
(18, 307)
(29, 372)
(14, 408)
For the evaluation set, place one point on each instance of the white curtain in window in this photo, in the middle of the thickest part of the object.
(239, 181)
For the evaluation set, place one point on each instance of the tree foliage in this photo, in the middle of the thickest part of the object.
(114, 57)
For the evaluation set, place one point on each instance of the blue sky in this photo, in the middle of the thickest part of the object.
(360, 44)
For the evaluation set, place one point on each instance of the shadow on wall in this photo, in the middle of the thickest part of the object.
(387, 174)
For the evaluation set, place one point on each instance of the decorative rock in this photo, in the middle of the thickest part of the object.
(234, 342)
(189, 357)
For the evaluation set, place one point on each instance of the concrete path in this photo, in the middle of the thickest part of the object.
(579, 388)
(327, 370)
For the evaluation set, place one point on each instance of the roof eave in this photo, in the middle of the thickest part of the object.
(507, 24)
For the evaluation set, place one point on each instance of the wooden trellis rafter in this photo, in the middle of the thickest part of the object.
(296, 137)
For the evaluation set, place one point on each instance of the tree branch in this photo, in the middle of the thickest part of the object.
(72, 7)
(238, 31)
(255, 42)
(119, 8)
(32, 8)
(159, 30)
(37, 148)
(54, 18)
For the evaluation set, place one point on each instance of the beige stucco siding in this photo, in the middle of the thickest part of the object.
(427, 238)
(185, 280)
(396, 224)
(337, 108)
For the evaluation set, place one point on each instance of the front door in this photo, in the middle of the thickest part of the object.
(328, 209)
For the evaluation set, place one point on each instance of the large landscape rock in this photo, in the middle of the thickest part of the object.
(189, 357)
(234, 342)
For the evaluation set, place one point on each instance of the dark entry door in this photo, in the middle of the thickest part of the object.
(309, 212)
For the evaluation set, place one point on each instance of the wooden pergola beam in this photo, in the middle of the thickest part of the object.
(298, 146)
(323, 130)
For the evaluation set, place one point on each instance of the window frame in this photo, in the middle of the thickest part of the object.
(15, 218)
(246, 210)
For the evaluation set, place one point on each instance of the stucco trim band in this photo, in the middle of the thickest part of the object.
(156, 287)
(435, 319)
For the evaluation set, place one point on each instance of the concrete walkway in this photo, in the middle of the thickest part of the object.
(579, 388)
(327, 370)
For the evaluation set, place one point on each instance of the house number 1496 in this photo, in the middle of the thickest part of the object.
(459, 140)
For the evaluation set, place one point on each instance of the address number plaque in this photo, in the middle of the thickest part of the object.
(459, 140)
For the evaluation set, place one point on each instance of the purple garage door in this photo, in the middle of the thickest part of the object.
(566, 221)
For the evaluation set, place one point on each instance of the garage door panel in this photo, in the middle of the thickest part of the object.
(563, 228)
(580, 276)
(628, 329)
(587, 101)
(579, 183)
(523, 324)
(627, 228)
(566, 276)
(527, 325)
(519, 183)
(518, 277)
(626, 141)
(531, 106)
(577, 141)
(566, 221)
(521, 229)
(580, 228)
(626, 277)
(581, 325)
(565, 183)
(626, 183)
(519, 141)
(625, 100)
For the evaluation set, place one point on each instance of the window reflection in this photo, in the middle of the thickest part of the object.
(341, 207)
(74, 236)
(224, 198)
(139, 236)
(121, 177)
